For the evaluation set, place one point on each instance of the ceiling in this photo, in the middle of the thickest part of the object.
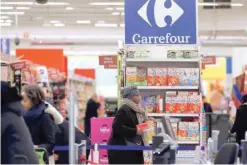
(67, 13)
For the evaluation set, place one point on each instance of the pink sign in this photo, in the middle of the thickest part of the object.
(100, 133)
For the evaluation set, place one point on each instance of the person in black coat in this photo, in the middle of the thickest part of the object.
(91, 111)
(41, 124)
(16, 142)
(125, 131)
(240, 124)
(62, 139)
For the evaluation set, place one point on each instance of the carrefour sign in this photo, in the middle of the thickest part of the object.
(161, 21)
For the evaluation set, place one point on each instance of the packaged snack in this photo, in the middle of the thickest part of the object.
(182, 81)
(159, 104)
(175, 129)
(136, 76)
(170, 108)
(151, 77)
(190, 54)
(149, 103)
(161, 76)
(194, 131)
(183, 128)
(195, 77)
(172, 77)
(171, 54)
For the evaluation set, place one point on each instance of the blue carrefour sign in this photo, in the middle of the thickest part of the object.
(161, 21)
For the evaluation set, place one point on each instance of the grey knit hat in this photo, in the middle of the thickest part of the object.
(129, 92)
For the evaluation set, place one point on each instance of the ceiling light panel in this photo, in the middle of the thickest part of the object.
(22, 8)
(83, 22)
(116, 13)
(105, 25)
(12, 13)
(120, 8)
(54, 21)
(5, 24)
(69, 8)
(107, 3)
(6, 7)
(17, 3)
(59, 25)
(109, 8)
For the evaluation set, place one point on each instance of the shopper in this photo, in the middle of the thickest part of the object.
(41, 118)
(16, 142)
(207, 107)
(208, 110)
(62, 139)
(91, 111)
(125, 131)
(240, 124)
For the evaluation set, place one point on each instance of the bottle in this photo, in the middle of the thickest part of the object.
(96, 154)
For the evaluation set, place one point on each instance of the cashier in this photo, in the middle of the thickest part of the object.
(125, 130)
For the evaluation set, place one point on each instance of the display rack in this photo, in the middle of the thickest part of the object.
(189, 117)
(82, 89)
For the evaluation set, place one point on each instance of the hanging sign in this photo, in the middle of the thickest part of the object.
(209, 60)
(160, 21)
(109, 62)
(19, 65)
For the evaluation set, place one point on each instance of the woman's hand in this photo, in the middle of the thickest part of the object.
(139, 131)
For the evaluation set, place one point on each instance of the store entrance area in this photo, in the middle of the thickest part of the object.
(123, 82)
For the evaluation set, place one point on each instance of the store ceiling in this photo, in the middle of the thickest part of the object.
(77, 13)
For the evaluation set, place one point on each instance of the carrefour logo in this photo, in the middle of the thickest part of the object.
(160, 22)
(162, 9)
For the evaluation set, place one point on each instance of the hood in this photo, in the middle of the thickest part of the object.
(58, 118)
(14, 107)
(8, 94)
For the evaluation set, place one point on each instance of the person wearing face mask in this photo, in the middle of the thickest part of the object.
(41, 118)
(124, 129)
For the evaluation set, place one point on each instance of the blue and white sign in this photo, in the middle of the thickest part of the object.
(160, 21)
(5, 45)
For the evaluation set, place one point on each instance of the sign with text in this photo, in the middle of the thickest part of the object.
(209, 60)
(109, 62)
(19, 65)
(161, 22)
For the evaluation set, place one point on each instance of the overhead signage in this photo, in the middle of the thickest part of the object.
(161, 22)
(19, 65)
(109, 62)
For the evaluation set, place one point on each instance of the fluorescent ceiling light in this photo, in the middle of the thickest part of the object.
(22, 8)
(237, 4)
(120, 8)
(116, 13)
(6, 7)
(5, 24)
(69, 8)
(105, 25)
(100, 21)
(54, 3)
(107, 3)
(17, 3)
(122, 13)
(54, 21)
(12, 13)
(3, 17)
(208, 4)
(122, 25)
(2, 20)
(109, 8)
(59, 25)
(46, 24)
(8, 21)
(83, 22)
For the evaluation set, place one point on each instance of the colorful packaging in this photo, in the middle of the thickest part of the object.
(194, 103)
(173, 77)
(161, 76)
(136, 76)
(183, 128)
(151, 77)
(159, 104)
(182, 81)
(195, 77)
(170, 106)
(194, 131)
(175, 129)
(149, 103)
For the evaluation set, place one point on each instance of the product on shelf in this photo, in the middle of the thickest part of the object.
(181, 104)
(159, 104)
(136, 76)
(161, 76)
(138, 53)
(183, 131)
(182, 54)
(173, 77)
(151, 76)
(170, 104)
(149, 103)
(194, 131)
(194, 103)
(175, 129)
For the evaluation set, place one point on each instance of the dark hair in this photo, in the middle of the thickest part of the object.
(244, 98)
(35, 94)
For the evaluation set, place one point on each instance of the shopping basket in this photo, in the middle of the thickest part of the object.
(43, 155)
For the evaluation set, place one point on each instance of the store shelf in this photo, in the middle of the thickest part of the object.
(167, 87)
(160, 60)
(174, 114)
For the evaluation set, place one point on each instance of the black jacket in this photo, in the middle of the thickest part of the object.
(240, 124)
(91, 111)
(42, 129)
(62, 139)
(16, 143)
(124, 127)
